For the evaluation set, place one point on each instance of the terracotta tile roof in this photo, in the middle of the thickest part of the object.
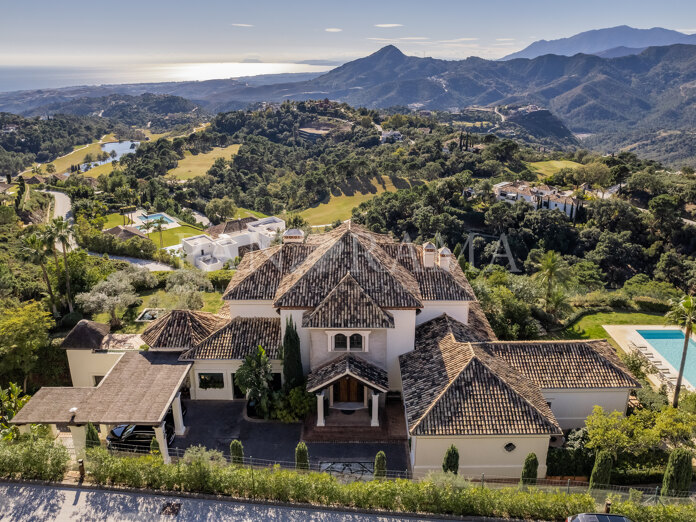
(86, 335)
(125, 233)
(137, 390)
(477, 330)
(351, 364)
(347, 306)
(233, 226)
(566, 364)
(454, 388)
(181, 329)
(349, 249)
(238, 338)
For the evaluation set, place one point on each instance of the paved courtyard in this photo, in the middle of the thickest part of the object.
(214, 424)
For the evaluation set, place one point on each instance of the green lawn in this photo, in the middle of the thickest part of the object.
(192, 166)
(159, 299)
(548, 168)
(590, 326)
(173, 236)
(245, 212)
(115, 219)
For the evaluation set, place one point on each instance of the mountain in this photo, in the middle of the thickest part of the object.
(618, 52)
(602, 40)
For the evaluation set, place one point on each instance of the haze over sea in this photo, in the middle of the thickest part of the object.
(29, 78)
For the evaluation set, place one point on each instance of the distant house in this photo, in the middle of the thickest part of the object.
(33, 180)
(391, 137)
(4, 187)
(539, 196)
(124, 233)
(229, 240)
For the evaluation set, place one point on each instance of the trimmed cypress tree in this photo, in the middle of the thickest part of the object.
(292, 359)
(451, 460)
(301, 456)
(92, 437)
(678, 473)
(530, 469)
(601, 472)
(237, 452)
(380, 465)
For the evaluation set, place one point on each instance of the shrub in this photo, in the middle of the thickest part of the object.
(601, 473)
(301, 403)
(200, 464)
(380, 465)
(237, 452)
(32, 458)
(154, 446)
(451, 460)
(92, 437)
(70, 320)
(651, 305)
(220, 278)
(678, 473)
(301, 456)
(530, 469)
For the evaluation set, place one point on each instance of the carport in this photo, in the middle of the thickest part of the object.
(139, 389)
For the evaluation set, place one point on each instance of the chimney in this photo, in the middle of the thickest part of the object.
(293, 235)
(444, 258)
(429, 254)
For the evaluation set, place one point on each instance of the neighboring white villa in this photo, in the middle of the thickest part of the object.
(228, 240)
(386, 329)
(539, 196)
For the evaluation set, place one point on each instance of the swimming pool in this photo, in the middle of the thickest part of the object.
(157, 216)
(669, 344)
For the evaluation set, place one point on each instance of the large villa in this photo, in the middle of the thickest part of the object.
(387, 330)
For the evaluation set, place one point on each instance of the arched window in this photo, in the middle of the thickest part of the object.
(340, 342)
(356, 343)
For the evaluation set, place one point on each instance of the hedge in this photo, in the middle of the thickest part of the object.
(32, 458)
(651, 305)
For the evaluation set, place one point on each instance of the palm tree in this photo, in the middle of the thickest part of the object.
(34, 250)
(62, 231)
(552, 270)
(146, 226)
(682, 313)
(158, 224)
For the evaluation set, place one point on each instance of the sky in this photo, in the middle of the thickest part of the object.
(79, 33)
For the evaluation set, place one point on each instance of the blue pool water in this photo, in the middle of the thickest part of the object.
(669, 344)
(157, 216)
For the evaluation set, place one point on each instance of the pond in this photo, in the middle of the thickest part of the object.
(120, 148)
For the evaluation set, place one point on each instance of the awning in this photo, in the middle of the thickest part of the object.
(139, 389)
(348, 364)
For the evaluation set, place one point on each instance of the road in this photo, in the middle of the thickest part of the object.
(62, 207)
(49, 503)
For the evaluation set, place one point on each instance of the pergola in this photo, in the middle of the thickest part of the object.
(139, 389)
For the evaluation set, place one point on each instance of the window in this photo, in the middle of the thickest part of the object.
(210, 381)
(356, 343)
(97, 379)
(510, 447)
(340, 342)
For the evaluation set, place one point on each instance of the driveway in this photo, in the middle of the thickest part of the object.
(62, 206)
(214, 424)
(55, 503)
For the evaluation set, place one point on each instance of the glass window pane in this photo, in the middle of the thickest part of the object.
(207, 381)
(340, 342)
(356, 342)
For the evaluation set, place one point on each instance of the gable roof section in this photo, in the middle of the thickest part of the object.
(238, 338)
(86, 335)
(454, 388)
(124, 233)
(348, 364)
(181, 329)
(566, 364)
(347, 306)
(349, 249)
(232, 226)
(476, 330)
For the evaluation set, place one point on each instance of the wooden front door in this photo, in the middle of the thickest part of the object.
(348, 390)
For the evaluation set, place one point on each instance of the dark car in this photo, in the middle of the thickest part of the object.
(131, 437)
(597, 517)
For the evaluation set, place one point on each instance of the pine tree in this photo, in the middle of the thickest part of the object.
(292, 359)
(601, 472)
(530, 469)
(237, 452)
(451, 461)
(678, 473)
(380, 465)
(92, 436)
(301, 456)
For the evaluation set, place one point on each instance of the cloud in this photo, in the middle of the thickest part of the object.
(333, 30)
(504, 39)
(457, 40)
(687, 31)
(241, 25)
(414, 38)
(383, 39)
(386, 26)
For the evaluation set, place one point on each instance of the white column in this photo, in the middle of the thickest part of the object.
(320, 409)
(79, 438)
(162, 441)
(25, 429)
(179, 427)
(54, 430)
(103, 431)
(375, 410)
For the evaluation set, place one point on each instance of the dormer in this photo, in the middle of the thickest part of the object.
(429, 255)
(293, 235)
(444, 258)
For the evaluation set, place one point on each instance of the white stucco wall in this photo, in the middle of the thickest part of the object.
(227, 368)
(400, 340)
(479, 455)
(571, 407)
(86, 364)
(458, 310)
(376, 345)
(252, 309)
